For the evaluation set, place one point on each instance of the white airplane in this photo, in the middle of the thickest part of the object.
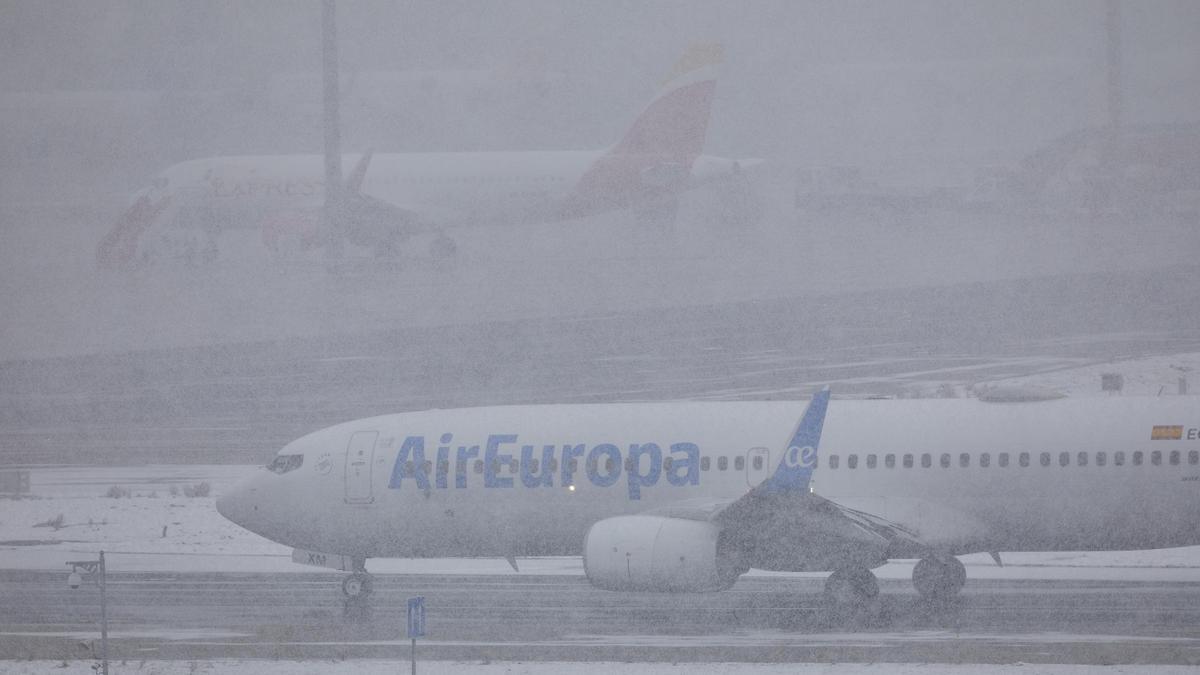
(390, 197)
(680, 497)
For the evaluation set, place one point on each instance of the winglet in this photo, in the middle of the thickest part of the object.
(800, 458)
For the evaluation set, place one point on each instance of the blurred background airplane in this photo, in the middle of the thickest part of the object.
(389, 198)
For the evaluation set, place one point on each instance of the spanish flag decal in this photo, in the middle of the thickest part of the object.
(1166, 433)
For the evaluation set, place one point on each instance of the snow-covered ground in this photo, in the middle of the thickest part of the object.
(372, 666)
(61, 305)
(1149, 376)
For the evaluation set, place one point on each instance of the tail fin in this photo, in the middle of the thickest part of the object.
(118, 248)
(653, 162)
(676, 121)
(800, 458)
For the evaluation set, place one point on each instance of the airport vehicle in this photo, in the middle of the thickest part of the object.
(687, 496)
(389, 198)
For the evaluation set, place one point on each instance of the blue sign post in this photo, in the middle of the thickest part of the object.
(416, 625)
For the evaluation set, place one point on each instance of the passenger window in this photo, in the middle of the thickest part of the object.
(1064, 459)
(1156, 457)
(1101, 458)
(1045, 459)
(908, 461)
(427, 466)
(964, 460)
(1002, 460)
(552, 465)
(533, 466)
(1119, 458)
(460, 469)
(593, 464)
(704, 463)
(926, 460)
(833, 461)
(630, 463)
(668, 462)
(889, 461)
(1137, 458)
(870, 461)
(1023, 459)
(409, 467)
(985, 460)
(758, 463)
(1174, 458)
(851, 461)
(945, 460)
(479, 466)
(1194, 457)
(608, 465)
(512, 466)
(1081, 459)
(722, 463)
(739, 463)
(443, 466)
(495, 466)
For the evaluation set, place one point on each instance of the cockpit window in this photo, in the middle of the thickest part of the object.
(285, 463)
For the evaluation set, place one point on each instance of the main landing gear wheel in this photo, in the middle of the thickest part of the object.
(851, 586)
(939, 580)
(852, 597)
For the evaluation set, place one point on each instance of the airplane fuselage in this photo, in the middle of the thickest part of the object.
(446, 189)
(962, 475)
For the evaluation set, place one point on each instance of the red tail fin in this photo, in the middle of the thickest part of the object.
(654, 159)
(676, 122)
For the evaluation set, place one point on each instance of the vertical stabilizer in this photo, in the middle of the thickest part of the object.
(652, 163)
(795, 469)
(675, 123)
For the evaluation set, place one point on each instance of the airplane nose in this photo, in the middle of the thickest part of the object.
(236, 505)
(226, 506)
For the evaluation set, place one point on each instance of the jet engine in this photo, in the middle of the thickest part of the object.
(658, 554)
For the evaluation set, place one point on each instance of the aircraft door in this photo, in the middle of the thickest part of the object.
(360, 456)
(758, 466)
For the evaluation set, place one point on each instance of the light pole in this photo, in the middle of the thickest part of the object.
(94, 569)
(333, 212)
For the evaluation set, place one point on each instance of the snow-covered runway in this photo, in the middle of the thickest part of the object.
(562, 618)
(203, 589)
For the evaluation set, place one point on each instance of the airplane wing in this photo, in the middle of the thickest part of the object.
(782, 525)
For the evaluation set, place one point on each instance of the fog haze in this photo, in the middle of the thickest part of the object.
(904, 200)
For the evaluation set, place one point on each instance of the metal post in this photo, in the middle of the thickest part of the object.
(333, 149)
(103, 618)
(414, 656)
(1113, 51)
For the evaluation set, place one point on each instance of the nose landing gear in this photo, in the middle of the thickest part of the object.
(359, 584)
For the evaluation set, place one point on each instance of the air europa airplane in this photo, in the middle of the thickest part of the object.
(687, 496)
(390, 197)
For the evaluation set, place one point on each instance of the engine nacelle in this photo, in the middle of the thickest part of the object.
(658, 554)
